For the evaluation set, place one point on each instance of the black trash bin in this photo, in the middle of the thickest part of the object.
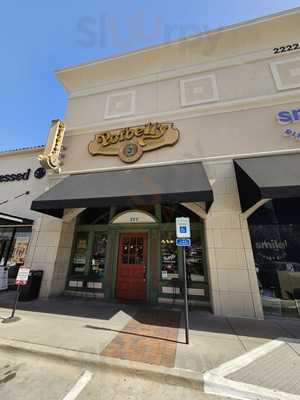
(32, 289)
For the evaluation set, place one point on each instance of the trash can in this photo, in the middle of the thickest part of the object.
(32, 289)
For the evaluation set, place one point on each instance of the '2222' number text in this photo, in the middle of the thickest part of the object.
(284, 49)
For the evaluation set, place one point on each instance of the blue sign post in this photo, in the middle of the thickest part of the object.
(183, 239)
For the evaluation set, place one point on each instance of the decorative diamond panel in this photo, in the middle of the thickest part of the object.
(286, 73)
(120, 105)
(198, 90)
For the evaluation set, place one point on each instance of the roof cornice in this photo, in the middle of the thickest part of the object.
(24, 150)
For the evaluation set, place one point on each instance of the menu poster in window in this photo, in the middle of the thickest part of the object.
(82, 244)
(79, 259)
(169, 266)
(20, 250)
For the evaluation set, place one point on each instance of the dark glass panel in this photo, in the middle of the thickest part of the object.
(169, 213)
(94, 216)
(6, 235)
(147, 208)
(194, 259)
(80, 255)
(99, 255)
(169, 256)
(275, 236)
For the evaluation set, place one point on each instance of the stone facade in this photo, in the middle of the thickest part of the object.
(223, 101)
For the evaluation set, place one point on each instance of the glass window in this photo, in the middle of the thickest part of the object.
(133, 250)
(275, 235)
(6, 235)
(80, 255)
(194, 259)
(150, 209)
(168, 251)
(94, 216)
(19, 246)
(98, 255)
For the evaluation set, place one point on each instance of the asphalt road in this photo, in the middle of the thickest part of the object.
(30, 377)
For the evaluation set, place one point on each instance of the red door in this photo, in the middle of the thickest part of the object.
(132, 268)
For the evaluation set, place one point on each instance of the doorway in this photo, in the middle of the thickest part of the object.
(132, 266)
(4, 248)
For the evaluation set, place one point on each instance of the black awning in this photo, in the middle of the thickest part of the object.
(13, 220)
(270, 177)
(136, 186)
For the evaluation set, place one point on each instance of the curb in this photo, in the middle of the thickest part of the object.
(176, 376)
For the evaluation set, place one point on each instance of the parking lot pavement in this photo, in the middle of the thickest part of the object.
(35, 378)
(31, 377)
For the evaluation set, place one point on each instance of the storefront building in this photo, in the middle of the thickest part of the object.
(207, 127)
(22, 179)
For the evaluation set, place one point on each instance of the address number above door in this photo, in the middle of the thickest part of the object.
(134, 217)
(131, 143)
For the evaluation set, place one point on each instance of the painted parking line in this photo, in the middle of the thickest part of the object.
(216, 381)
(79, 386)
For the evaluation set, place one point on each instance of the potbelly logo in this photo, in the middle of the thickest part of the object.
(129, 144)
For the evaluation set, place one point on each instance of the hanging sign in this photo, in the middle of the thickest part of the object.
(50, 158)
(22, 276)
(129, 144)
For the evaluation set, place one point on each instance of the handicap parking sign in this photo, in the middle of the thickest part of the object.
(183, 229)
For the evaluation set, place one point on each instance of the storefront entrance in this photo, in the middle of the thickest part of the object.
(132, 266)
(131, 253)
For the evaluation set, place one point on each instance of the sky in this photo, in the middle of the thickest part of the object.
(39, 37)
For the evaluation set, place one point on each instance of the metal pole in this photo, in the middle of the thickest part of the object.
(16, 301)
(186, 306)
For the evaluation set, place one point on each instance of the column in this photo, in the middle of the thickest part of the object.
(234, 288)
(50, 250)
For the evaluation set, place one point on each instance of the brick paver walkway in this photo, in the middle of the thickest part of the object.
(150, 337)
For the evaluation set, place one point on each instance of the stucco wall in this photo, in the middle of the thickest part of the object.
(223, 91)
(225, 134)
(20, 163)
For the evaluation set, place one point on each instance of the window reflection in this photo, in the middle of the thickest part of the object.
(6, 235)
(133, 250)
(275, 236)
(80, 253)
(99, 254)
(194, 259)
(168, 251)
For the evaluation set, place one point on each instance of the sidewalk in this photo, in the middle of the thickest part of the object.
(153, 339)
